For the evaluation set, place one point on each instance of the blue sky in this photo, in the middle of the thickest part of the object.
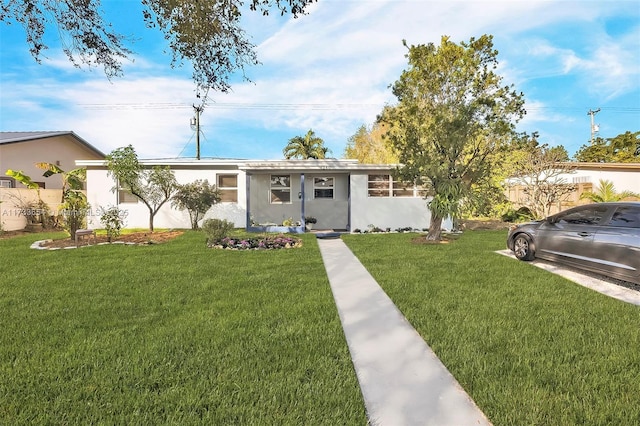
(330, 71)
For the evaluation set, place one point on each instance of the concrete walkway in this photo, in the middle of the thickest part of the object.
(402, 381)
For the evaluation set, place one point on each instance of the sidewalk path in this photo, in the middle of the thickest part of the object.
(402, 381)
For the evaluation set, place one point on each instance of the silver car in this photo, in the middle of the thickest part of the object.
(602, 237)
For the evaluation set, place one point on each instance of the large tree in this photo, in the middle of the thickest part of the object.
(624, 148)
(154, 187)
(452, 114)
(369, 146)
(306, 147)
(204, 33)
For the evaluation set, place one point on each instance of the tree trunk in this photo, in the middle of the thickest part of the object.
(435, 228)
(151, 215)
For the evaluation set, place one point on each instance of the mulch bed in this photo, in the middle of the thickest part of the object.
(135, 238)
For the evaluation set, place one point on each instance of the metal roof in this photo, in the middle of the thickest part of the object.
(17, 137)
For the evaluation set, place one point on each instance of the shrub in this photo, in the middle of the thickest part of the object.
(287, 222)
(112, 218)
(520, 215)
(217, 229)
(310, 219)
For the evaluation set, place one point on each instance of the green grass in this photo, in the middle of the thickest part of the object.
(171, 334)
(531, 348)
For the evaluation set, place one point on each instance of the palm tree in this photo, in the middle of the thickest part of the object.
(309, 146)
(606, 192)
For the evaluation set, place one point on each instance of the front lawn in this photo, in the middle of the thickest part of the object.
(529, 347)
(174, 333)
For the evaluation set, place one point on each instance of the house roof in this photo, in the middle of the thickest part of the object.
(257, 166)
(17, 137)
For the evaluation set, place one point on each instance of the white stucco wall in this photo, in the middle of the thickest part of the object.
(386, 212)
(623, 180)
(99, 194)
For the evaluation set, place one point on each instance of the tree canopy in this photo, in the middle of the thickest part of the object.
(624, 148)
(306, 147)
(453, 112)
(154, 187)
(205, 33)
(197, 198)
(369, 146)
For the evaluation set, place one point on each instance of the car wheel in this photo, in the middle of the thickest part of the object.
(523, 247)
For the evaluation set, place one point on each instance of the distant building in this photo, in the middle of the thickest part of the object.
(587, 176)
(21, 150)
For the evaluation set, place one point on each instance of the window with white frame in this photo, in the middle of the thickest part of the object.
(280, 189)
(386, 186)
(228, 188)
(323, 187)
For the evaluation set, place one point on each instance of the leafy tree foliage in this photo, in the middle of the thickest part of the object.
(306, 147)
(205, 33)
(624, 148)
(369, 146)
(606, 192)
(154, 187)
(452, 114)
(542, 172)
(113, 220)
(75, 206)
(197, 198)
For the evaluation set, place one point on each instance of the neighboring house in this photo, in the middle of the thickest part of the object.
(21, 150)
(340, 194)
(586, 177)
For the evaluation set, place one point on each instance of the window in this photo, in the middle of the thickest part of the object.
(125, 196)
(6, 182)
(385, 186)
(586, 216)
(379, 185)
(228, 188)
(626, 217)
(280, 189)
(323, 187)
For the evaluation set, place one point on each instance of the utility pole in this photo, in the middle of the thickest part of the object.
(195, 122)
(594, 127)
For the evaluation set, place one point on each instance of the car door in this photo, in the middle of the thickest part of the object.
(618, 243)
(568, 236)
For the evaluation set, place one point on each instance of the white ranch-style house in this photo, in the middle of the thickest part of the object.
(341, 194)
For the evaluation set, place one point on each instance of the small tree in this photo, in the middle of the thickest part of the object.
(543, 178)
(112, 218)
(154, 187)
(197, 198)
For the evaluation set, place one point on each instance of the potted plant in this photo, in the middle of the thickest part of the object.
(309, 221)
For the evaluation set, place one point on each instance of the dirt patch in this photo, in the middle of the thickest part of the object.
(135, 238)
